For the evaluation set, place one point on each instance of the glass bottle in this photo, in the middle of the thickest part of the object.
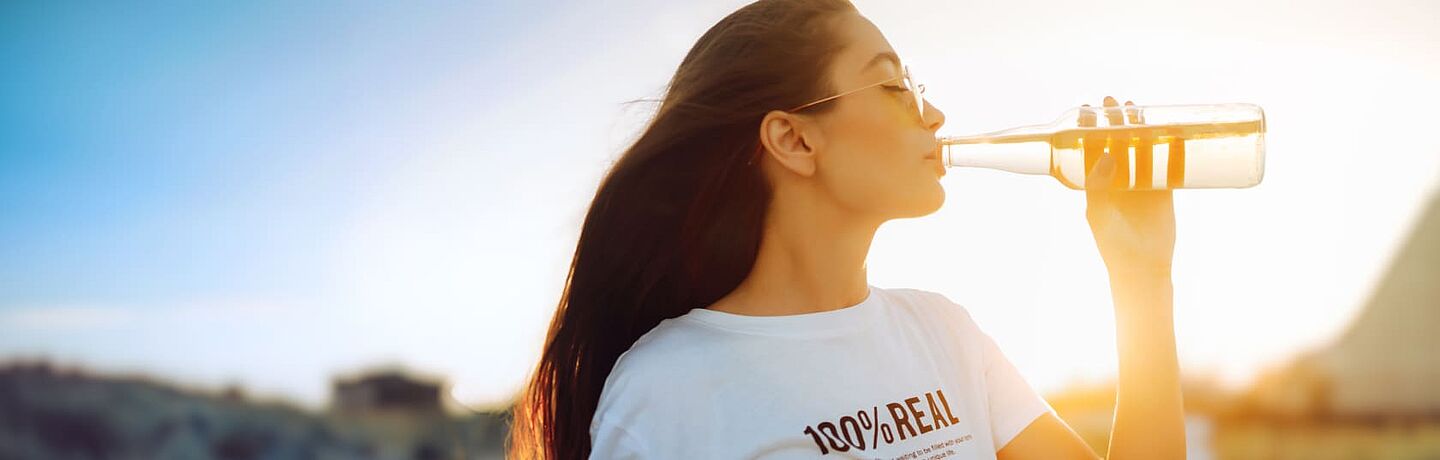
(1154, 147)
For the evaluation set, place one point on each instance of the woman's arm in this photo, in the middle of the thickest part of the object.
(1135, 232)
(1047, 437)
(1149, 410)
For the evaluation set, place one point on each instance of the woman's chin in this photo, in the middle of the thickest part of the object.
(938, 200)
(927, 203)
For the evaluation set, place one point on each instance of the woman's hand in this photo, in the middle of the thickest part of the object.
(1134, 229)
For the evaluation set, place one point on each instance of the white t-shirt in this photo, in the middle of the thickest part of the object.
(710, 384)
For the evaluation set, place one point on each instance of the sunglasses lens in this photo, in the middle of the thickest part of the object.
(919, 104)
(915, 90)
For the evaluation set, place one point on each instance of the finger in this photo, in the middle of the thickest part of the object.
(1099, 163)
(1118, 145)
(1113, 113)
(1144, 149)
(1087, 116)
(1101, 176)
(1132, 113)
(1090, 144)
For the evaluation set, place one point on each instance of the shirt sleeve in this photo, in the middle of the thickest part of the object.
(1014, 404)
(611, 441)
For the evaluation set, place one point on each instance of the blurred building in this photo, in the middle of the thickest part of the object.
(1387, 364)
(401, 413)
(49, 412)
(386, 392)
(1372, 393)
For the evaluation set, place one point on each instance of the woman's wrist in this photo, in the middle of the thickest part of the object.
(1147, 291)
(1136, 272)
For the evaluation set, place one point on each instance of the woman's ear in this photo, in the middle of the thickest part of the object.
(791, 140)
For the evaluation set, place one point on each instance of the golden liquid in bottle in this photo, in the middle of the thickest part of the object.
(1157, 157)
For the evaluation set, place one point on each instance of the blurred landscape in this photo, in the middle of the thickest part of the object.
(54, 413)
(1374, 393)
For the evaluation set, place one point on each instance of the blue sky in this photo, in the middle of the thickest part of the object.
(186, 149)
(187, 153)
(270, 193)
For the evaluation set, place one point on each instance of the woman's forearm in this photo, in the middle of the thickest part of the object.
(1149, 409)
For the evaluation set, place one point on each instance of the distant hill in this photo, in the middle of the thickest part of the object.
(52, 414)
(1384, 367)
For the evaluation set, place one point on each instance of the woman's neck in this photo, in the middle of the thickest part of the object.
(811, 259)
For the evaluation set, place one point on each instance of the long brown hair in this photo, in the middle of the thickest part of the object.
(676, 222)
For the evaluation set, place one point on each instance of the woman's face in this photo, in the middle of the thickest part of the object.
(880, 156)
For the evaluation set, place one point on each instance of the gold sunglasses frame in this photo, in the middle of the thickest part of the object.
(906, 79)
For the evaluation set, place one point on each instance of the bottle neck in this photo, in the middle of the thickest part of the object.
(1018, 157)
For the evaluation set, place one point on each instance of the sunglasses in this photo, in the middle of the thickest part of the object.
(907, 82)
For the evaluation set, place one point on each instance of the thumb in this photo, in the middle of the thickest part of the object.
(1099, 199)
(1102, 174)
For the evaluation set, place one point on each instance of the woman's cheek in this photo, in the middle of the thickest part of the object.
(857, 184)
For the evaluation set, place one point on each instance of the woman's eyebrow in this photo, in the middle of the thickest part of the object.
(880, 57)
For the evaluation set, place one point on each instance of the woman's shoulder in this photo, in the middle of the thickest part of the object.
(669, 350)
(928, 303)
(660, 372)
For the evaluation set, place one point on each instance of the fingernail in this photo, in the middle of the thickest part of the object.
(1087, 116)
(1109, 100)
(1129, 103)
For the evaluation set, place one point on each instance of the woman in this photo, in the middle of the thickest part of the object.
(717, 304)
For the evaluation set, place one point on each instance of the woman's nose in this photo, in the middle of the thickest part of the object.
(934, 118)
